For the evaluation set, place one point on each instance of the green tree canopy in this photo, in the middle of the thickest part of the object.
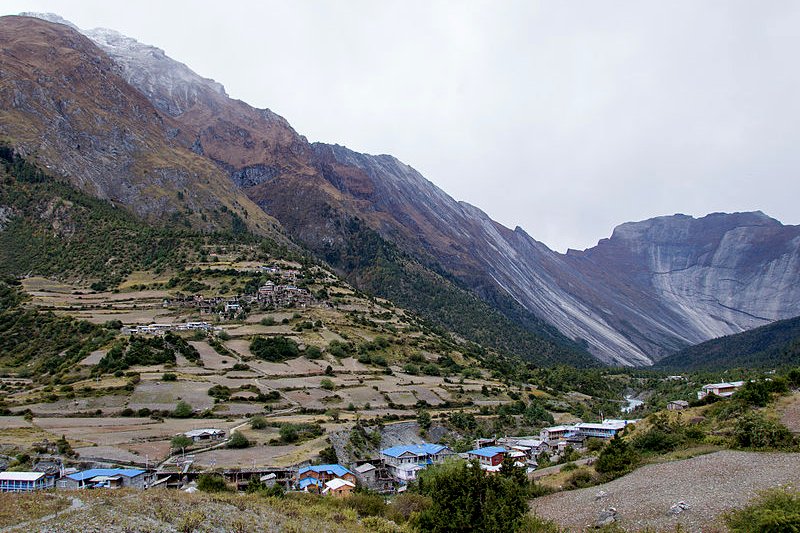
(464, 498)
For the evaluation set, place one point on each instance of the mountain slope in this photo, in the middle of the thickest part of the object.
(64, 104)
(166, 111)
(653, 288)
(773, 345)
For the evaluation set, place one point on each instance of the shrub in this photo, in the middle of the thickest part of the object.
(326, 384)
(657, 440)
(464, 498)
(181, 441)
(312, 352)
(776, 510)
(220, 392)
(274, 349)
(289, 433)
(211, 483)
(404, 505)
(617, 458)
(169, 376)
(754, 393)
(328, 455)
(238, 441)
(754, 430)
(424, 420)
(367, 504)
(258, 422)
(182, 410)
(410, 368)
(580, 479)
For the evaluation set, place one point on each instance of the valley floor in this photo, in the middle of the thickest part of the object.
(711, 485)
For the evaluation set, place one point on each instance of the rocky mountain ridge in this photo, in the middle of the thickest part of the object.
(651, 289)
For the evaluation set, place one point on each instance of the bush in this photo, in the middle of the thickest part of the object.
(569, 467)
(464, 498)
(169, 376)
(367, 504)
(328, 455)
(326, 384)
(182, 410)
(211, 483)
(580, 479)
(220, 392)
(657, 440)
(776, 510)
(258, 422)
(181, 441)
(754, 430)
(754, 393)
(617, 458)
(274, 349)
(312, 352)
(404, 505)
(238, 441)
(289, 433)
(410, 368)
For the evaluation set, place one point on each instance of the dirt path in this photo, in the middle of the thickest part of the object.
(710, 484)
(790, 413)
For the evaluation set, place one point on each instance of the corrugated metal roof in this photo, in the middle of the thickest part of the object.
(94, 472)
(489, 451)
(336, 470)
(20, 476)
(308, 481)
(416, 449)
(337, 484)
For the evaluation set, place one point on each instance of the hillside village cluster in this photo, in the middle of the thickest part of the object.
(271, 295)
(389, 473)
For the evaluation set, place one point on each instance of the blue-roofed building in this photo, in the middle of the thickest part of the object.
(490, 458)
(25, 481)
(313, 478)
(108, 478)
(405, 460)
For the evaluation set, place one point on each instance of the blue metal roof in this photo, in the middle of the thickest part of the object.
(489, 451)
(94, 472)
(308, 481)
(416, 449)
(336, 470)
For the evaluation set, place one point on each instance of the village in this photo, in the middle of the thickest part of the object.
(388, 473)
(220, 329)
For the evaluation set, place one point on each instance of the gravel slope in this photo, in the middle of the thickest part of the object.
(710, 484)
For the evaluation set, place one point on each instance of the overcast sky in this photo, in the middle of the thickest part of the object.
(564, 118)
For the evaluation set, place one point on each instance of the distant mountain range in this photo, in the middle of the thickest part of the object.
(127, 123)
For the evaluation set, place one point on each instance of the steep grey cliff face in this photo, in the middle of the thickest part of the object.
(712, 276)
(653, 288)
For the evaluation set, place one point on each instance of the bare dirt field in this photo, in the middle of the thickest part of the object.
(165, 395)
(8, 422)
(262, 455)
(710, 484)
(211, 359)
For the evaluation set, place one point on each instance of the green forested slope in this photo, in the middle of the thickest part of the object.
(773, 345)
